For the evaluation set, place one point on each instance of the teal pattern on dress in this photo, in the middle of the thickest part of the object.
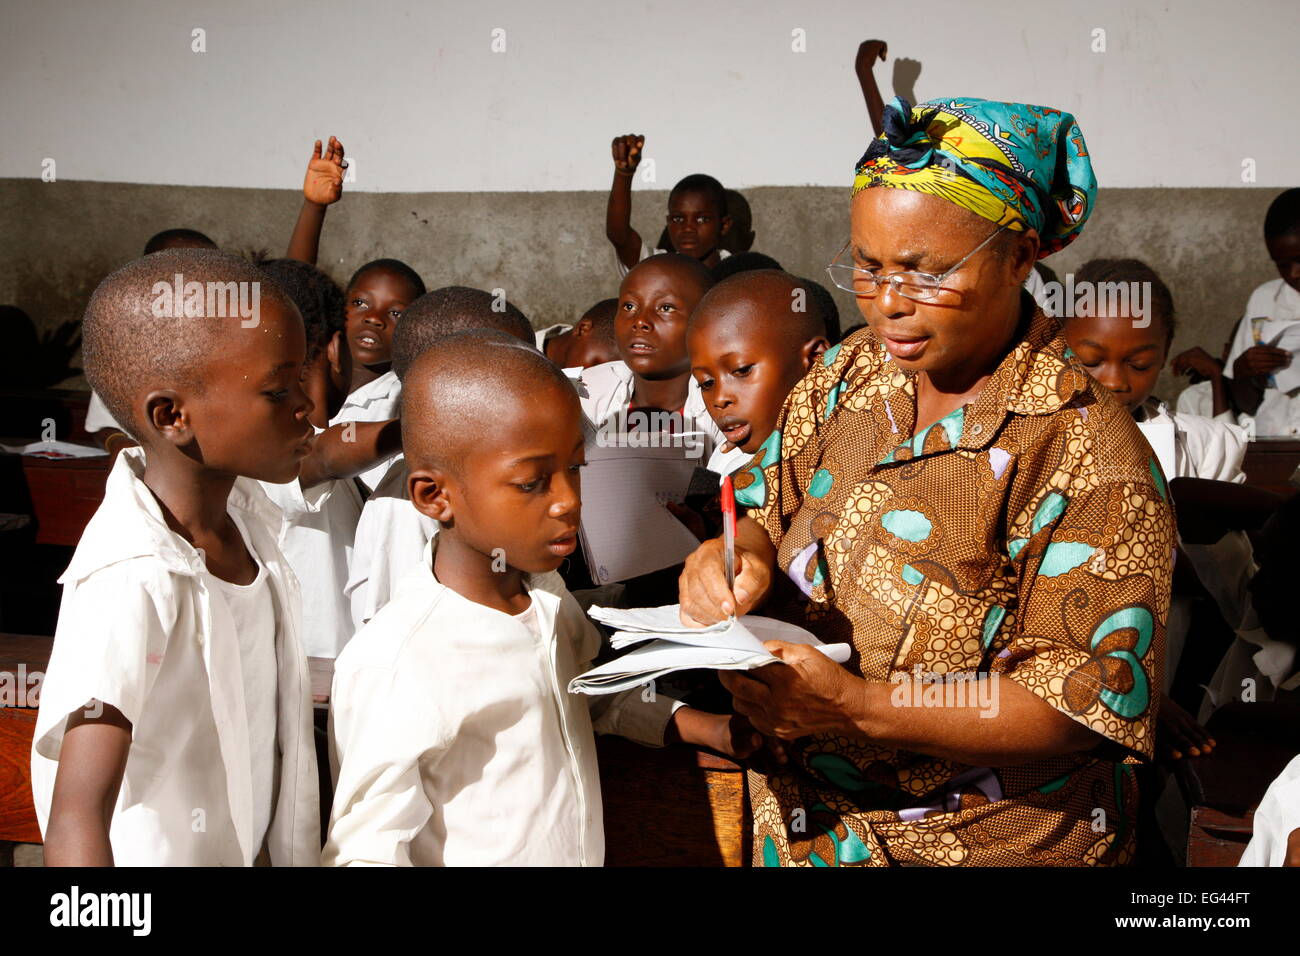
(952, 425)
(907, 525)
(1135, 700)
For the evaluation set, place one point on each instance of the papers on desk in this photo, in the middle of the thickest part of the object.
(626, 529)
(55, 450)
(666, 646)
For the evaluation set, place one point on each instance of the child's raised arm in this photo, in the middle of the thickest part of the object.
(868, 52)
(92, 760)
(618, 214)
(322, 187)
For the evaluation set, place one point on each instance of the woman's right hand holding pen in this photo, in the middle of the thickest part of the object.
(705, 597)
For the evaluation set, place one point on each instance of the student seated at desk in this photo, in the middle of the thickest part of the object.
(1260, 377)
(391, 534)
(175, 723)
(455, 739)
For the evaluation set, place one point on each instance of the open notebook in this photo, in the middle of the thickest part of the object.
(666, 645)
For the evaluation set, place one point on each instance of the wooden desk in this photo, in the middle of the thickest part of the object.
(1254, 743)
(1270, 463)
(64, 495)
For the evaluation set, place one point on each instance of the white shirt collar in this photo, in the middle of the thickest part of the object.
(130, 524)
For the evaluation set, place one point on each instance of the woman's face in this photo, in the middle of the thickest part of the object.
(966, 329)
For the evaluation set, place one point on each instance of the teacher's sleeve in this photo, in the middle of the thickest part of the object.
(1094, 554)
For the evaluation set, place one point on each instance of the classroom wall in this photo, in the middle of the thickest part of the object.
(1183, 92)
(548, 249)
(490, 168)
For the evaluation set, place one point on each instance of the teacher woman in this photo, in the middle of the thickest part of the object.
(951, 494)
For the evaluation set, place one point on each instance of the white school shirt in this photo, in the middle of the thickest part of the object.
(98, 417)
(725, 463)
(1204, 447)
(541, 335)
(376, 401)
(140, 629)
(252, 608)
(317, 536)
(605, 390)
(454, 740)
(647, 251)
(1272, 317)
(1278, 815)
(390, 540)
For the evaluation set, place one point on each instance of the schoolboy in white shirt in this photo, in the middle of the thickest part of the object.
(175, 718)
(653, 377)
(376, 295)
(391, 534)
(452, 731)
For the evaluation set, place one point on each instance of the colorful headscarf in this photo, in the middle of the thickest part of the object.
(1016, 165)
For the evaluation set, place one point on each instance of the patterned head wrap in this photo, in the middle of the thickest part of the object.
(1016, 165)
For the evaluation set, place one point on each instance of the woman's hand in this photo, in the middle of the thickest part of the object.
(705, 598)
(807, 693)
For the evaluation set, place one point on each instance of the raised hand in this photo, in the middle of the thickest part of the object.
(627, 152)
(323, 184)
(869, 51)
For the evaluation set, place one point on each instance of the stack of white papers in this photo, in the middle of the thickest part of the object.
(626, 529)
(667, 645)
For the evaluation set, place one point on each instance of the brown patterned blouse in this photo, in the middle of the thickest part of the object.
(1027, 536)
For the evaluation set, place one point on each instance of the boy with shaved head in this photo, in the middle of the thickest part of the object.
(453, 735)
(175, 718)
(751, 339)
(391, 534)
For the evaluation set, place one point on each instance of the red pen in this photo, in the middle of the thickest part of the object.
(729, 532)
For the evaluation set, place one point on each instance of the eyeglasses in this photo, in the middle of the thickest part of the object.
(919, 286)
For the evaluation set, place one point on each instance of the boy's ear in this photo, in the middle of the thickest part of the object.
(812, 350)
(724, 225)
(335, 351)
(583, 328)
(166, 415)
(428, 490)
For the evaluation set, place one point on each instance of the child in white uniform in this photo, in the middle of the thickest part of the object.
(454, 738)
(654, 376)
(697, 213)
(376, 296)
(178, 691)
(391, 534)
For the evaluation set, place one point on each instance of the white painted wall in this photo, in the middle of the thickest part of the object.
(1186, 90)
